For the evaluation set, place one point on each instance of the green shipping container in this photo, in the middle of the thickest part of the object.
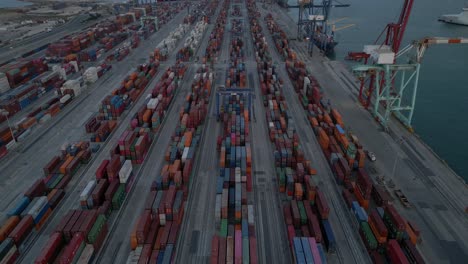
(224, 228)
(245, 251)
(371, 241)
(118, 198)
(96, 229)
(302, 212)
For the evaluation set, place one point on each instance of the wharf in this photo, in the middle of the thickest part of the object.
(437, 194)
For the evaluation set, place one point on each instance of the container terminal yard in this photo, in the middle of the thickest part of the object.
(204, 132)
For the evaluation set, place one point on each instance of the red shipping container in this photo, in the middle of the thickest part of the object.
(51, 249)
(88, 223)
(101, 172)
(143, 226)
(114, 185)
(76, 227)
(22, 230)
(214, 250)
(72, 249)
(322, 205)
(52, 165)
(253, 250)
(153, 232)
(165, 234)
(67, 230)
(173, 234)
(37, 189)
(395, 254)
(222, 250)
(145, 254)
(64, 221)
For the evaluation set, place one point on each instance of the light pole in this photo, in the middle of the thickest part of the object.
(5, 113)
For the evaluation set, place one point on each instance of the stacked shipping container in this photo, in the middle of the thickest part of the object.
(156, 230)
(382, 229)
(307, 213)
(34, 208)
(236, 240)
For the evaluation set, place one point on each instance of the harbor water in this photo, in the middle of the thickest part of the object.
(13, 3)
(441, 115)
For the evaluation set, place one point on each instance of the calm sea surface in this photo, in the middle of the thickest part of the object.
(12, 3)
(441, 115)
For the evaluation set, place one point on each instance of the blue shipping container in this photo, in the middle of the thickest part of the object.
(329, 237)
(307, 251)
(20, 206)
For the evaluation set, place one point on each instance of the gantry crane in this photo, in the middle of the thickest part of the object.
(389, 97)
(383, 53)
(312, 24)
(378, 81)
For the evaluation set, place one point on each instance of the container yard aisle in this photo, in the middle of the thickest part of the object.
(437, 195)
(71, 200)
(272, 238)
(20, 169)
(117, 245)
(194, 243)
(350, 247)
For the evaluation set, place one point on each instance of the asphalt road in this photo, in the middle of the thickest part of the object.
(199, 226)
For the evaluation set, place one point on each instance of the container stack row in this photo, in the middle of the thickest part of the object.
(152, 113)
(114, 105)
(193, 40)
(236, 74)
(155, 233)
(306, 212)
(216, 37)
(102, 195)
(38, 202)
(385, 233)
(107, 192)
(235, 241)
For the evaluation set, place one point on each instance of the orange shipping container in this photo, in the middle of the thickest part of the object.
(188, 139)
(147, 115)
(63, 168)
(8, 226)
(362, 202)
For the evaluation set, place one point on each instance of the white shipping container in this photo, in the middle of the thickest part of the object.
(162, 219)
(38, 206)
(306, 84)
(87, 190)
(153, 103)
(238, 175)
(86, 254)
(250, 217)
(65, 98)
(4, 84)
(125, 171)
(185, 154)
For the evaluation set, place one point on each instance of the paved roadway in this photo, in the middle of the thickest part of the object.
(117, 246)
(268, 202)
(349, 245)
(199, 226)
(438, 195)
